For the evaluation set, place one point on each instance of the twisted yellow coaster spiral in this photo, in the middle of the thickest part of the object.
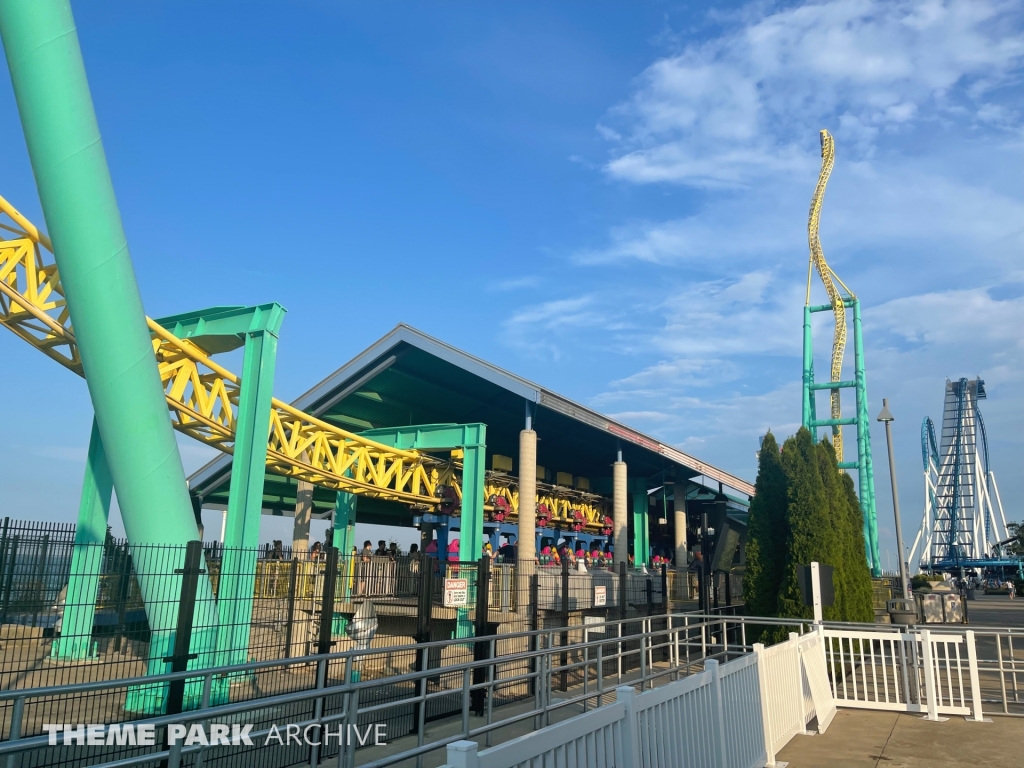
(829, 279)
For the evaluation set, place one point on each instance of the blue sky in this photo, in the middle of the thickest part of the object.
(607, 198)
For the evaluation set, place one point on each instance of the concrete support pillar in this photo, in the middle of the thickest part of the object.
(526, 537)
(303, 514)
(620, 529)
(680, 532)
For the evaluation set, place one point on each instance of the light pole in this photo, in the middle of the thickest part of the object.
(887, 418)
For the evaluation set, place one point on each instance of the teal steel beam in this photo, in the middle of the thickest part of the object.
(641, 523)
(91, 250)
(828, 307)
(865, 474)
(808, 375)
(472, 439)
(222, 329)
(863, 465)
(343, 524)
(75, 642)
(849, 420)
(343, 535)
(256, 329)
(834, 385)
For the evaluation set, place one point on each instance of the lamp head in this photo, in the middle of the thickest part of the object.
(886, 414)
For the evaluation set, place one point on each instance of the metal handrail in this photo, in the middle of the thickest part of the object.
(680, 631)
(685, 638)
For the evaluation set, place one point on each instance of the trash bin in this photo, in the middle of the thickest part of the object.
(971, 593)
(902, 611)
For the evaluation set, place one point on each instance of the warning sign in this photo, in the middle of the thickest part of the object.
(600, 596)
(456, 592)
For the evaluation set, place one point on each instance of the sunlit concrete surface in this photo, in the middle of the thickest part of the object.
(864, 739)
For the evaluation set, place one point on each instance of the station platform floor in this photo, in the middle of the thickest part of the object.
(860, 738)
(865, 739)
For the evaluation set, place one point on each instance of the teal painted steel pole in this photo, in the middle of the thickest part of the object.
(865, 470)
(75, 641)
(641, 522)
(808, 375)
(472, 438)
(809, 409)
(245, 497)
(474, 466)
(80, 208)
(45, 61)
(344, 535)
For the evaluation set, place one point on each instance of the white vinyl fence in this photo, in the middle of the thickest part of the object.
(919, 671)
(819, 703)
(740, 714)
(794, 690)
(712, 719)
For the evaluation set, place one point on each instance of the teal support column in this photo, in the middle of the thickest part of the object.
(91, 250)
(472, 439)
(641, 523)
(865, 470)
(245, 498)
(344, 536)
(474, 465)
(864, 464)
(75, 642)
(808, 375)
(215, 330)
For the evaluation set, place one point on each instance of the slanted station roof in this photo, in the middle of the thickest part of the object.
(408, 377)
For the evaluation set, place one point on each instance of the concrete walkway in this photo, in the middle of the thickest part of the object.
(860, 738)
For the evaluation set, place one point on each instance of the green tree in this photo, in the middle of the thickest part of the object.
(810, 534)
(1016, 533)
(767, 533)
(851, 577)
(804, 509)
(859, 605)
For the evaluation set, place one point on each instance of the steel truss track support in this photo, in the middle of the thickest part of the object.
(864, 464)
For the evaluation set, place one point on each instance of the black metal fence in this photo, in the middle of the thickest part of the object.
(113, 611)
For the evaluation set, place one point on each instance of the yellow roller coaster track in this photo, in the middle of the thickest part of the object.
(829, 278)
(202, 397)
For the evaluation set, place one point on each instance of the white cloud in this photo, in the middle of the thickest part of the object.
(514, 283)
(726, 229)
(745, 105)
(750, 314)
(919, 212)
(952, 319)
(540, 327)
(924, 220)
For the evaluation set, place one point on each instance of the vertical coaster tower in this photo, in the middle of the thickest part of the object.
(840, 299)
(963, 514)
